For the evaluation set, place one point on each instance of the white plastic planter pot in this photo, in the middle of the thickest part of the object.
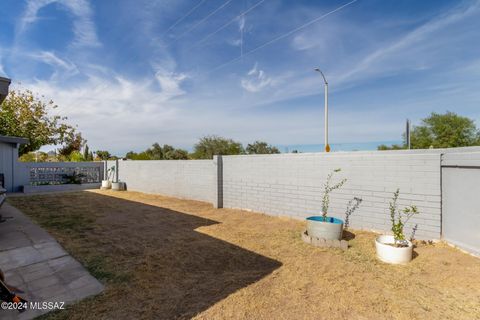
(390, 254)
(328, 228)
(118, 186)
(106, 184)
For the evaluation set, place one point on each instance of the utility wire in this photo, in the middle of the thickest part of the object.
(185, 16)
(283, 36)
(228, 23)
(203, 20)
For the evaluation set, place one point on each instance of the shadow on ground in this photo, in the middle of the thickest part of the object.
(155, 263)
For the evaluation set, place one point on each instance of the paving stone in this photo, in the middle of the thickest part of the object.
(67, 297)
(20, 257)
(14, 279)
(30, 314)
(306, 238)
(39, 284)
(34, 262)
(319, 242)
(83, 281)
(70, 274)
(32, 276)
(63, 263)
(36, 271)
(50, 249)
(13, 239)
(46, 294)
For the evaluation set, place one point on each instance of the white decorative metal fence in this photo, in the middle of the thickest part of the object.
(64, 175)
(57, 173)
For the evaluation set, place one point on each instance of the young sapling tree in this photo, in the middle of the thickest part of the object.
(327, 189)
(110, 173)
(351, 207)
(399, 218)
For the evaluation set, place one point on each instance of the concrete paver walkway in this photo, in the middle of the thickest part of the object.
(34, 262)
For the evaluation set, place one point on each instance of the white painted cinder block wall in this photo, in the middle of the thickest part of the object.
(185, 179)
(292, 185)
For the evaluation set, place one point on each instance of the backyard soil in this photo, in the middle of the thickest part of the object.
(165, 258)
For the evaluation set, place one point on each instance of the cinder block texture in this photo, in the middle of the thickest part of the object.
(292, 185)
(185, 179)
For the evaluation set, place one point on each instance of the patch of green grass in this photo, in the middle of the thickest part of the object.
(77, 223)
(100, 268)
(54, 216)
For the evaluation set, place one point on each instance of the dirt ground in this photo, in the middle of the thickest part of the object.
(165, 258)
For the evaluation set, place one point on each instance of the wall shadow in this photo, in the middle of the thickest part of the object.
(348, 235)
(173, 271)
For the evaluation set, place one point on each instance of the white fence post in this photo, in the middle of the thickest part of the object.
(218, 183)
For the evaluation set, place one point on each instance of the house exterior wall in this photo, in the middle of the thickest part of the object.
(8, 158)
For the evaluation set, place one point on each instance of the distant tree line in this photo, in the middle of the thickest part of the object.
(157, 152)
(447, 130)
(205, 148)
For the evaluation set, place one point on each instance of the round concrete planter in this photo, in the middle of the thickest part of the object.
(118, 186)
(328, 228)
(106, 184)
(391, 254)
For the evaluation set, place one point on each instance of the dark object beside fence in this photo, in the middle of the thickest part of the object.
(3, 194)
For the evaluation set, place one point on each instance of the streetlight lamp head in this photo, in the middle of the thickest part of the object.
(323, 76)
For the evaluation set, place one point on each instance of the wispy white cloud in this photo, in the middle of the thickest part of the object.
(239, 42)
(30, 13)
(410, 51)
(423, 49)
(170, 83)
(256, 80)
(118, 106)
(62, 67)
(83, 25)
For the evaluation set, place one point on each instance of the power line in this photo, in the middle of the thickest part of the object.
(204, 19)
(104, 84)
(185, 16)
(228, 23)
(282, 36)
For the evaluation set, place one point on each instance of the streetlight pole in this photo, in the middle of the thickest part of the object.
(327, 146)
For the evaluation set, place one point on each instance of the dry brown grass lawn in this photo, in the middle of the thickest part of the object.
(165, 258)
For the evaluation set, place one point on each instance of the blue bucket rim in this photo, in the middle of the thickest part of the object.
(328, 219)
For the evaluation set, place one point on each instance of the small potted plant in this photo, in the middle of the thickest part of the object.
(325, 227)
(118, 186)
(396, 249)
(107, 184)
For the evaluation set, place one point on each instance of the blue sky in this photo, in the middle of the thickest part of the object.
(130, 73)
